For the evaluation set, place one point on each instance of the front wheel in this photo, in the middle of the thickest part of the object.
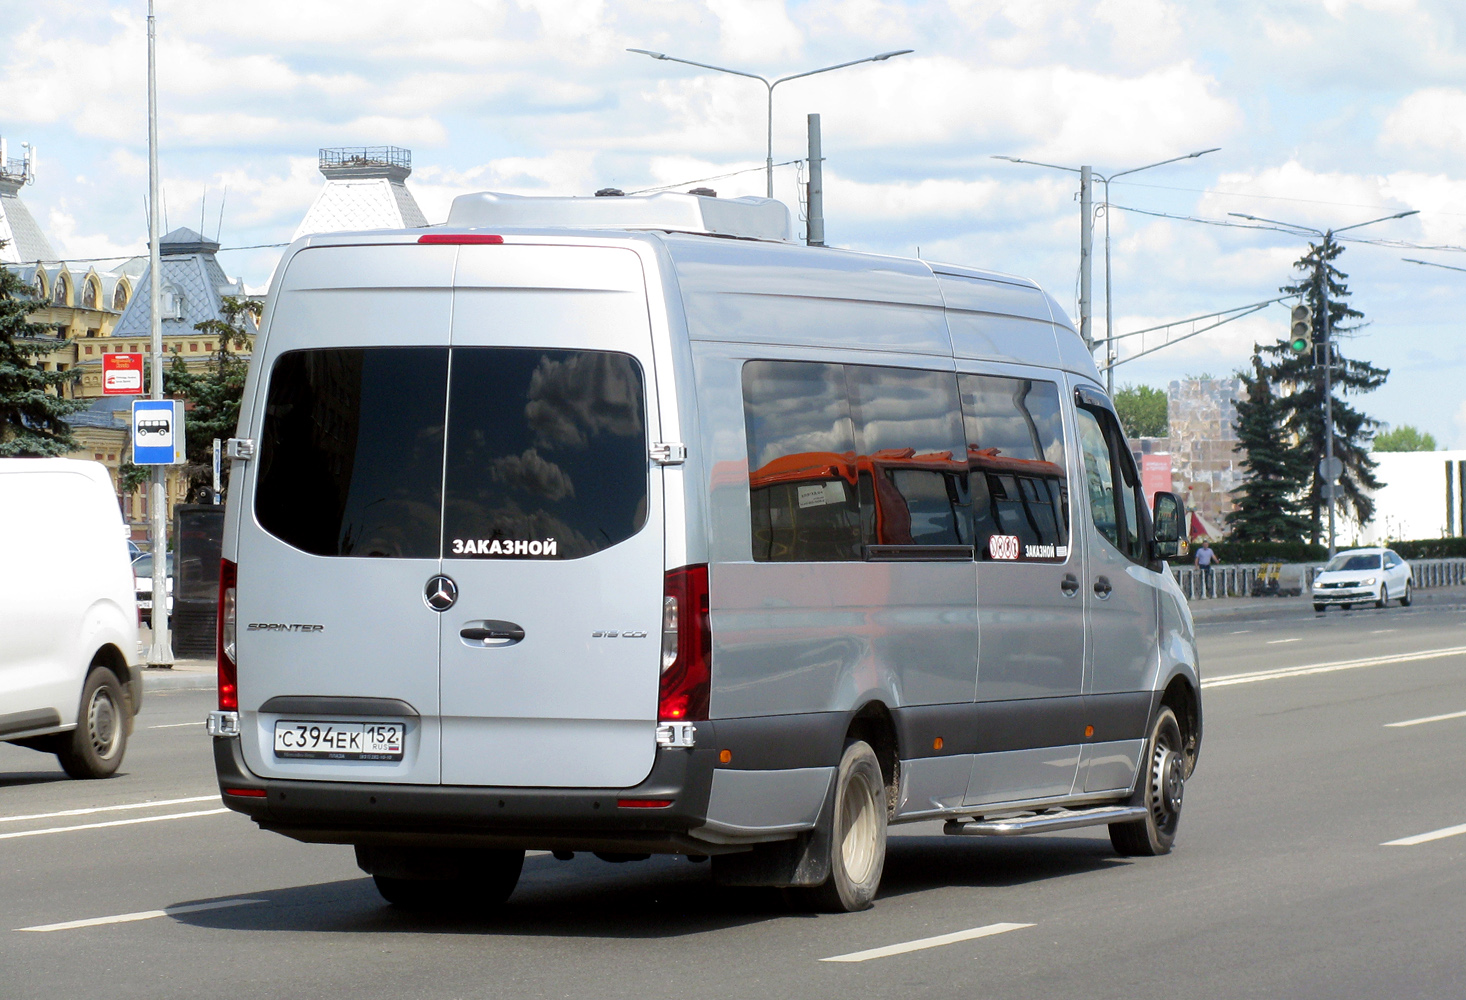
(1320, 607)
(95, 747)
(857, 842)
(1159, 788)
(1383, 598)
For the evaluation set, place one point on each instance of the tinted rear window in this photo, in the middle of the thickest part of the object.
(546, 452)
(351, 457)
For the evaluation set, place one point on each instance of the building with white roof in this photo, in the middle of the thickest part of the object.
(366, 188)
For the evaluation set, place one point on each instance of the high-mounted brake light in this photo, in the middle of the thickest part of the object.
(228, 668)
(454, 239)
(687, 646)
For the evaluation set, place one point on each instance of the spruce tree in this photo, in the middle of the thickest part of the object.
(1268, 505)
(1301, 377)
(32, 410)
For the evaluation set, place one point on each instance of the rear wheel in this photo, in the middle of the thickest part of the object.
(1159, 789)
(857, 841)
(457, 881)
(95, 747)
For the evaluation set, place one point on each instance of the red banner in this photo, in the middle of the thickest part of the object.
(122, 374)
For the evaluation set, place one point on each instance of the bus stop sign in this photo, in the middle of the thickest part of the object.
(157, 431)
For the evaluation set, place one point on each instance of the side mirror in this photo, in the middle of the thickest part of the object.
(1169, 518)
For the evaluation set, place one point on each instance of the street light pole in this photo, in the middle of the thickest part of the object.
(1085, 176)
(1321, 280)
(770, 84)
(161, 652)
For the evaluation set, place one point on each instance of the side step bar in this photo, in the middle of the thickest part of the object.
(1044, 822)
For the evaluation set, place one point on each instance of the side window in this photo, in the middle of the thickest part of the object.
(351, 455)
(1015, 451)
(1099, 477)
(1117, 502)
(908, 435)
(803, 491)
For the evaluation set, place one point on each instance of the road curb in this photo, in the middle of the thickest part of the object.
(179, 679)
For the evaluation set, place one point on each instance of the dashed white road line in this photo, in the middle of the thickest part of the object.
(1425, 838)
(127, 918)
(1428, 718)
(1279, 642)
(923, 943)
(115, 822)
(1227, 680)
(1241, 631)
(1382, 631)
(101, 809)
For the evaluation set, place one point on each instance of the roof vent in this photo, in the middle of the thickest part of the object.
(749, 218)
(610, 193)
(705, 192)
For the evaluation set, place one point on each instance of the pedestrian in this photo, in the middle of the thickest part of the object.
(1205, 558)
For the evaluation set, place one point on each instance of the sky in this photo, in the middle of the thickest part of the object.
(1327, 113)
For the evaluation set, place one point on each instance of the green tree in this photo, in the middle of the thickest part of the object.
(1299, 381)
(1404, 438)
(32, 410)
(1142, 411)
(1268, 504)
(213, 396)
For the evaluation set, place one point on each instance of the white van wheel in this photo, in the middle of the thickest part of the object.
(857, 841)
(95, 747)
(1159, 788)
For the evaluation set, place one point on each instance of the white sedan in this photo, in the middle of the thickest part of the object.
(1362, 576)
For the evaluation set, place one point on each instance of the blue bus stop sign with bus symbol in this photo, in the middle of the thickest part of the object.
(157, 431)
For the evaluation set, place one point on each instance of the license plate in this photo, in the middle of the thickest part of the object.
(339, 740)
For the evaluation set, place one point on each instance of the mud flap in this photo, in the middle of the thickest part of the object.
(803, 861)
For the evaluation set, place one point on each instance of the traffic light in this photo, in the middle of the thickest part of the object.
(1300, 336)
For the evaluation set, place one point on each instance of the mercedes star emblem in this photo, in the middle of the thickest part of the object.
(441, 593)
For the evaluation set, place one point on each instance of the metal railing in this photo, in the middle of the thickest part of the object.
(1237, 580)
(366, 156)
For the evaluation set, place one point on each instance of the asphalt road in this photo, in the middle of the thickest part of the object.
(1283, 882)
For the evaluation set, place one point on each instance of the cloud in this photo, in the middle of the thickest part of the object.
(1432, 119)
(533, 474)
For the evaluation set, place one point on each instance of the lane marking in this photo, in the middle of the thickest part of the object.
(1275, 642)
(1382, 631)
(923, 943)
(176, 725)
(1241, 631)
(115, 822)
(1227, 680)
(1428, 718)
(127, 918)
(101, 809)
(1425, 838)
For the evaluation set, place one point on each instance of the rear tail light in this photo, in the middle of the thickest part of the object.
(228, 668)
(643, 803)
(687, 646)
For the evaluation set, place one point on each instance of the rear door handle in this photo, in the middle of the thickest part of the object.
(1070, 585)
(1102, 587)
(491, 633)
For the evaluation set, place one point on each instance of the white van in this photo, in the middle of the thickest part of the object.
(628, 525)
(69, 682)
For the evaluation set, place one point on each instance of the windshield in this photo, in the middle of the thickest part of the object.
(1352, 562)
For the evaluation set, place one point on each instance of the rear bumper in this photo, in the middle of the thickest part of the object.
(583, 819)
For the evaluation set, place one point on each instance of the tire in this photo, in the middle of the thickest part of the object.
(857, 842)
(1159, 789)
(1406, 597)
(1321, 607)
(94, 749)
(481, 887)
(1384, 597)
